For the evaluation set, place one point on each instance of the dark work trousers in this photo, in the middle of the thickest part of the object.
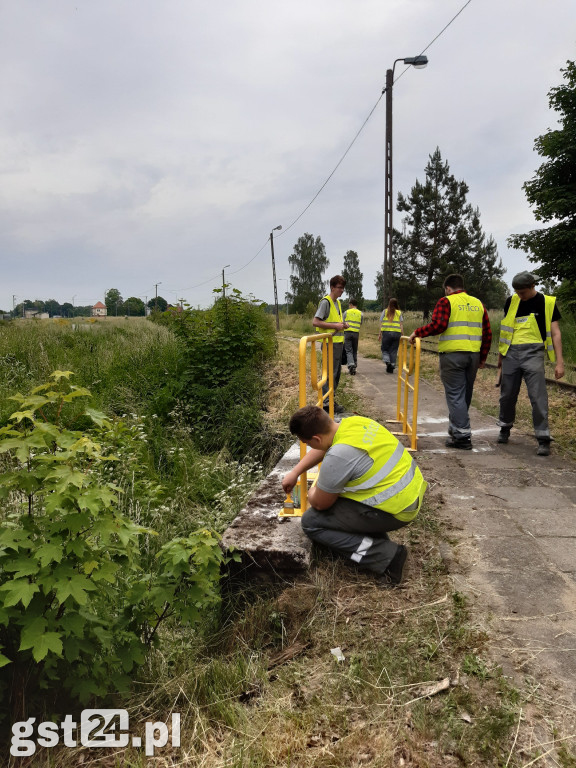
(458, 373)
(338, 349)
(389, 346)
(351, 347)
(525, 361)
(355, 530)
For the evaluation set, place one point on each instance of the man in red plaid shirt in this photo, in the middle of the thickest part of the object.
(462, 323)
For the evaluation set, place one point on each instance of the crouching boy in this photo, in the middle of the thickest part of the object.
(368, 485)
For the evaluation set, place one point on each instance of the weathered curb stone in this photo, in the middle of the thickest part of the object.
(269, 544)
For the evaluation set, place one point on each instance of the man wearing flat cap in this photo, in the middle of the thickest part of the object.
(528, 332)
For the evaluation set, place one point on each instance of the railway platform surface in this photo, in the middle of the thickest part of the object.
(510, 521)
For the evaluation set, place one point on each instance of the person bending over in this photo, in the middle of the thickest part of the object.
(368, 485)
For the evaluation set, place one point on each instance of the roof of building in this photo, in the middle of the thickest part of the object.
(99, 305)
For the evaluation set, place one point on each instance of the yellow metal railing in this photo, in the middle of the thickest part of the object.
(408, 365)
(296, 506)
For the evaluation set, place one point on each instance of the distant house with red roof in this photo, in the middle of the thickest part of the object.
(99, 310)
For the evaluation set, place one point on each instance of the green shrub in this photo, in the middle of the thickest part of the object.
(222, 392)
(78, 609)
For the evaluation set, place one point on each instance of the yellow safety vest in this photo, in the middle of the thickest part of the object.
(335, 316)
(464, 331)
(392, 326)
(354, 319)
(525, 330)
(394, 483)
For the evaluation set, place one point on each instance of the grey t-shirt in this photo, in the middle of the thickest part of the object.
(341, 464)
(323, 310)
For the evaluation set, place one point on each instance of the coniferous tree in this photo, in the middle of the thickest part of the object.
(351, 273)
(308, 262)
(552, 191)
(443, 235)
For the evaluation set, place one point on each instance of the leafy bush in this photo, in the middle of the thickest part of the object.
(77, 608)
(222, 392)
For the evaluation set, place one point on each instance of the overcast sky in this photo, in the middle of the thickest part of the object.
(149, 142)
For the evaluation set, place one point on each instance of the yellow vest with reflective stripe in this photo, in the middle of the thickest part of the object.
(392, 326)
(354, 319)
(335, 316)
(394, 483)
(525, 330)
(464, 331)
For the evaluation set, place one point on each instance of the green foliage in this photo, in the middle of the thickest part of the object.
(158, 304)
(113, 301)
(77, 608)
(552, 191)
(134, 307)
(443, 235)
(353, 276)
(128, 365)
(221, 388)
(308, 262)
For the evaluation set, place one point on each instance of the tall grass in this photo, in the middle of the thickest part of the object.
(128, 365)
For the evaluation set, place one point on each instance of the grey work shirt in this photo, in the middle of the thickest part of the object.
(323, 310)
(341, 464)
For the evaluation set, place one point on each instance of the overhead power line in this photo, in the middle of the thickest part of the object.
(339, 163)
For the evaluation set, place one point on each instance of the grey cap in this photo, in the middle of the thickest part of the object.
(524, 280)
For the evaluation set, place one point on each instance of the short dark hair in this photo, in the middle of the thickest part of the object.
(337, 280)
(353, 302)
(454, 281)
(310, 421)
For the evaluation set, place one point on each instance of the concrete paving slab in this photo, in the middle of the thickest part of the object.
(561, 551)
(538, 497)
(512, 530)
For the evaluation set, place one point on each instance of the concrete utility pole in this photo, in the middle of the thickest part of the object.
(224, 282)
(156, 299)
(274, 276)
(418, 62)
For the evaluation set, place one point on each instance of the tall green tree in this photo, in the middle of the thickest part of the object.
(443, 234)
(134, 307)
(404, 285)
(552, 191)
(113, 301)
(308, 262)
(351, 273)
(53, 307)
(159, 303)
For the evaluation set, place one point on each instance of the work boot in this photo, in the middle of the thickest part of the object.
(463, 445)
(543, 448)
(504, 435)
(337, 408)
(389, 368)
(352, 370)
(392, 576)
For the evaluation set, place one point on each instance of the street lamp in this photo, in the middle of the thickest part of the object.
(274, 276)
(418, 62)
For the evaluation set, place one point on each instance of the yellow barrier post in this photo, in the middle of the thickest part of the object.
(408, 364)
(297, 507)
